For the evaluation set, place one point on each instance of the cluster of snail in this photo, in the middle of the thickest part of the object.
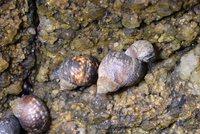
(117, 69)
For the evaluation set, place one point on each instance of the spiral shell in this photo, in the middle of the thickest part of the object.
(78, 71)
(142, 50)
(118, 70)
(32, 113)
(10, 125)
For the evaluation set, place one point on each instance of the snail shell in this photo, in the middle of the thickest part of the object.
(32, 113)
(10, 125)
(118, 70)
(78, 71)
(142, 50)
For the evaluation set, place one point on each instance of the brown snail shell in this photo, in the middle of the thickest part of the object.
(118, 70)
(10, 125)
(142, 50)
(32, 113)
(78, 71)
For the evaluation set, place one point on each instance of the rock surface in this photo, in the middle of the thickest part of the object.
(34, 41)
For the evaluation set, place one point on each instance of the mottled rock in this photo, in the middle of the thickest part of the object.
(29, 62)
(165, 101)
(3, 63)
(14, 89)
(42, 74)
(17, 31)
(5, 79)
(189, 62)
(131, 21)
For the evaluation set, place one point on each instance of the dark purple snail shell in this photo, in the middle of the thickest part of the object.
(78, 71)
(31, 113)
(10, 125)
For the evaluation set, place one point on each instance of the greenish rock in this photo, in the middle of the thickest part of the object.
(131, 20)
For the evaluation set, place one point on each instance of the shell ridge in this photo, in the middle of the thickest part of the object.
(107, 62)
(137, 73)
(84, 71)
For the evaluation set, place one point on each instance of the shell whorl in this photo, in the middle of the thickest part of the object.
(17, 107)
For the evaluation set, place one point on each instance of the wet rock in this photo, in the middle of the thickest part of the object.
(166, 101)
(5, 79)
(29, 62)
(3, 63)
(189, 62)
(42, 74)
(14, 89)
(131, 21)
(99, 105)
(195, 76)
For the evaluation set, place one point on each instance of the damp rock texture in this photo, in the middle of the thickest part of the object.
(17, 32)
(37, 36)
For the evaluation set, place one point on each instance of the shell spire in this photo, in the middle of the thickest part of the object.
(17, 104)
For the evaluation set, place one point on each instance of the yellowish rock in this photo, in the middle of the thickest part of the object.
(3, 64)
(14, 89)
(42, 75)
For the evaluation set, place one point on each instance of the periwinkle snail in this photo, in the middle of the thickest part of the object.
(77, 71)
(32, 113)
(142, 50)
(9, 125)
(119, 69)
